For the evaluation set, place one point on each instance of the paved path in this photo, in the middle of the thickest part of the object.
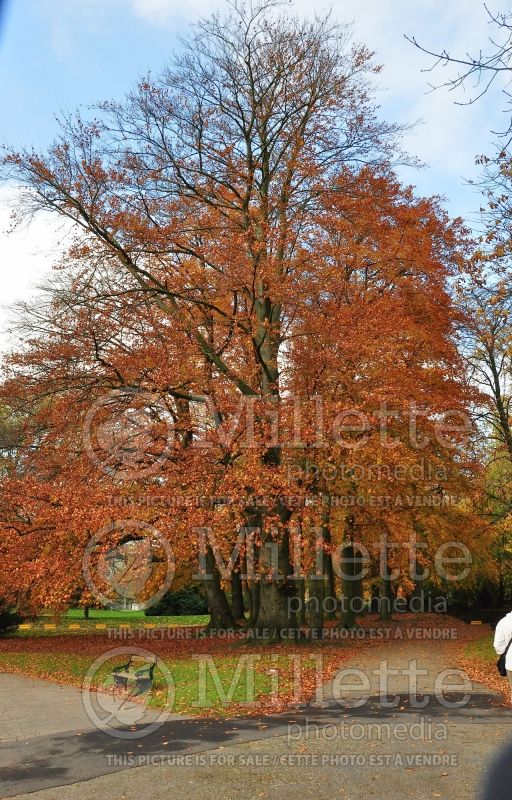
(30, 706)
(51, 752)
(281, 779)
(273, 763)
(402, 668)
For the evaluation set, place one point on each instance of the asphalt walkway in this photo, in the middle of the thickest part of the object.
(340, 748)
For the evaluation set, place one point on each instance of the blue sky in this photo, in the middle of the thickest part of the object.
(57, 55)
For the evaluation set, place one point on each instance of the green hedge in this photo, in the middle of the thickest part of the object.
(187, 602)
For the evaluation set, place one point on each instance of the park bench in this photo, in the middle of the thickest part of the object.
(138, 669)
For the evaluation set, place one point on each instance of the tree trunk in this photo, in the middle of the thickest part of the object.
(316, 606)
(255, 602)
(221, 616)
(247, 594)
(329, 568)
(348, 586)
(386, 588)
(351, 563)
(275, 618)
(301, 597)
(237, 596)
(277, 615)
(386, 598)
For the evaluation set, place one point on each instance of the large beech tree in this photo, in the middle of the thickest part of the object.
(240, 238)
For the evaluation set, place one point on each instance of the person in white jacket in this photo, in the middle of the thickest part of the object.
(502, 636)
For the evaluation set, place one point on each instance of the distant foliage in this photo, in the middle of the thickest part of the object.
(9, 620)
(186, 602)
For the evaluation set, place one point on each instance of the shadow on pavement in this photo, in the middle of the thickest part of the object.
(47, 761)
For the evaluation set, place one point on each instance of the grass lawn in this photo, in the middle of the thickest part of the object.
(62, 649)
(73, 622)
(479, 661)
(102, 614)
(211, 676)
(482, 649)
(218, 694)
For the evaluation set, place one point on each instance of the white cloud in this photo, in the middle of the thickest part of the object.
(451, 135)
(27, 254)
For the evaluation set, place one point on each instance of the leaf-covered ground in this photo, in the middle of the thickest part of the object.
(479, 660)
(67, 658)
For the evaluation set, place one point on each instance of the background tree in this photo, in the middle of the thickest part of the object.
(479, 70)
